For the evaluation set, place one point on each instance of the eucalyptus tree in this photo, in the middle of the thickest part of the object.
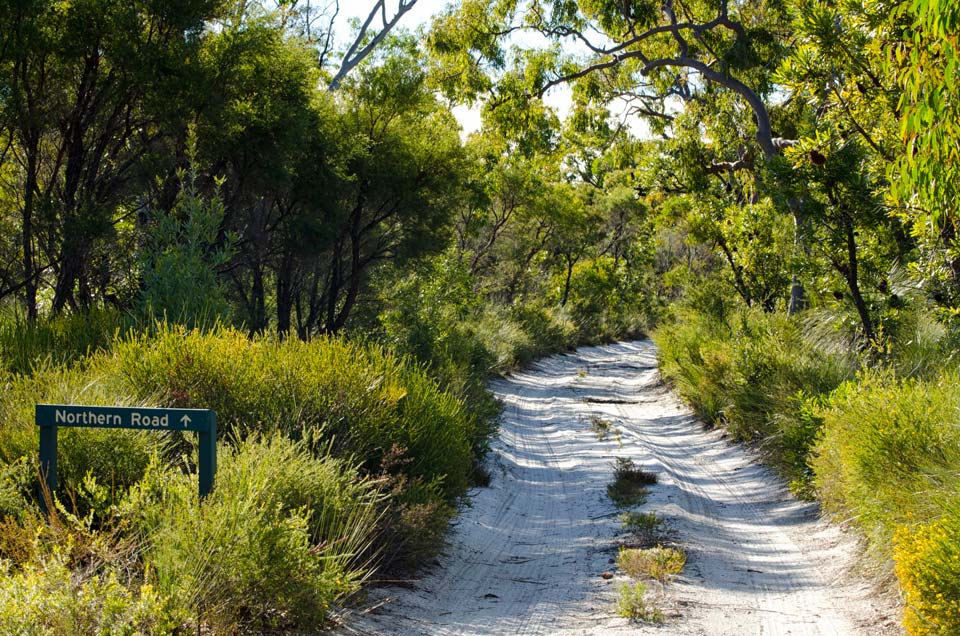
(400, 167)
(922, 54)
(847, 106)
(256, 122)
(660, 57)
(86, 89)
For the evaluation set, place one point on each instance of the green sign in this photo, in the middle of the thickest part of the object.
(50, 417)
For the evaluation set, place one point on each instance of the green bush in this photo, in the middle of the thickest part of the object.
(283, 536)
(50, 598)
(887, 448)
(605, 302)
(632, 603)
(756, 375)
(57, 340)
(182, 250)
(362, 399)
(114, 458)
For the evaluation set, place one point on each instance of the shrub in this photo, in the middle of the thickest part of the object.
(887, 448)
(278, 542)
(606, 300)
(629, 487)
(183, 249)
(49, 598)
(644, 523)
(928, 567)
(549, 332)
(363, 400)
(57, 340)
(754, 374)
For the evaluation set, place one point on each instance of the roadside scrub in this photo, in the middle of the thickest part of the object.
(873, 435)
(889, 459)
(754, 374)
(643, 558)
(632, 603)
(335, 460)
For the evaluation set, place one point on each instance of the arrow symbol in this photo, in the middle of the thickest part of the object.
(185, 419)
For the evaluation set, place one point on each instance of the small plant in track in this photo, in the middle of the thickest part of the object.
(632, 604)
(659, 563)
(601, 427)
(644, 524)
(629, 487)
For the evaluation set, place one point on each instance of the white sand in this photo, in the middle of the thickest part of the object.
(526, 557)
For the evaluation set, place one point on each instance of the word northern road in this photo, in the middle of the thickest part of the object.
(124, 417)
(50, 417)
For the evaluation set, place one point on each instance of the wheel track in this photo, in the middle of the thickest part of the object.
(534, 538)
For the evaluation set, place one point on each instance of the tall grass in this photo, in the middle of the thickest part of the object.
(879, 446)
(756, 375)
(281, 539)
(57, 340)
(334, 459)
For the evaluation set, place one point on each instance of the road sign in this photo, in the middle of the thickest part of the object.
(50, 417)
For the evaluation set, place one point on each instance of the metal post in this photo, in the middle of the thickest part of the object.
(207, 463)
(48, 463)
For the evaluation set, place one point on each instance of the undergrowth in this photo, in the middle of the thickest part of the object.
(659, 563)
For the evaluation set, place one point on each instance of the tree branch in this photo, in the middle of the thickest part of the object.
(355, 54)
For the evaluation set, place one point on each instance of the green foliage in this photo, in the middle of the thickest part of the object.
(50, 598)
(887, 450)
(754, 374)
(64, 339)
(632, 603)
(629, 486)
(659, 563)
(182, 254)
(362, 399)
(604, 300)
(641, 522)
(14, 483)
(924, 60)
(429, 316)
(278, 542)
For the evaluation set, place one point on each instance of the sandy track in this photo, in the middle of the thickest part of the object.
(526, 557)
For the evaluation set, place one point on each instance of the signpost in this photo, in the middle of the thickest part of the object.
(52, 416)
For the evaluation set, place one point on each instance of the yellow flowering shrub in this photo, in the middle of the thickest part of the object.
(928, 567)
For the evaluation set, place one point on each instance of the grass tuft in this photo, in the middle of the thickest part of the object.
(632, 604)
(629, 487)
(659, 563)
(642, 523)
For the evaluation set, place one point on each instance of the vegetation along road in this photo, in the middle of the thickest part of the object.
(535, 552)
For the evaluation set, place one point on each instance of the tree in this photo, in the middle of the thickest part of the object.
(84, 87)
(923, 54)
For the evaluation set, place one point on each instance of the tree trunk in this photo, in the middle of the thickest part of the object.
(29, 274)
(738, 283)
(852, 274)
(566, 283)
(284, 282)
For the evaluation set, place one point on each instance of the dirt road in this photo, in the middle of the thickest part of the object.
(526, 557)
